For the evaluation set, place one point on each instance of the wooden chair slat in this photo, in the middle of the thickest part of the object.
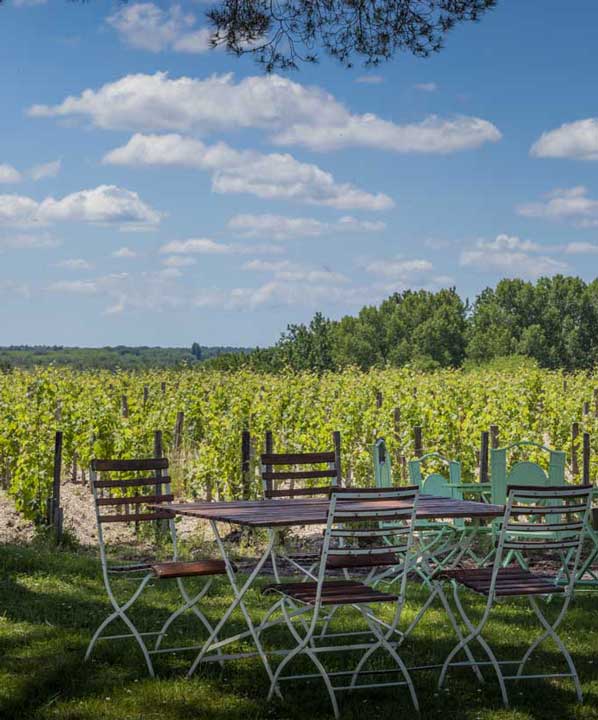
(133, 482)
(297, 458)
(129, 465)
(135, 517)
(298, 474)
(135, 500)
(298, 492)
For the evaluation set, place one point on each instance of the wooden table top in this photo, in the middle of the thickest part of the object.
(287, 513)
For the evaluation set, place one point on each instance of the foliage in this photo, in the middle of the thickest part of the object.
(301, 409)
(111, 358)
(554, 323)
(283, 33)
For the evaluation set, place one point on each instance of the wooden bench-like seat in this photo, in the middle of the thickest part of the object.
(334, 592)
(509, 581)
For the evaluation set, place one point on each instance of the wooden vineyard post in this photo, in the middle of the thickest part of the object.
(484, 456)
(378, 399)
(163, 388)
(403, 468)
(246, 464)
(336, 437)
(268, 449)
(396, 425)
(124, 404)
(585, 462)
(145, 395)
(574, 439)
(178, 430)
(418, 441)
(55, 516)
(161, 525)
(494, 439)
(586, 409)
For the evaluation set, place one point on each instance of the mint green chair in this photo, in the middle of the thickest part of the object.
(523, 473)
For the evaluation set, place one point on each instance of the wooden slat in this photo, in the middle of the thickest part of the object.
(136, 500)
(135, 517)
(297, 492)
(297, 458)
(299, 474)
(132, 482)
(129, 465)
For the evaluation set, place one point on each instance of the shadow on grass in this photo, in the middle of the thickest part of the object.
(51, 602)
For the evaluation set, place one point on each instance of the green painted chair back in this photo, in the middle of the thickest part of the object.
(524, 472)
(382, 464)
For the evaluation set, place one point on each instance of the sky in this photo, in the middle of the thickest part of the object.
(154, 191)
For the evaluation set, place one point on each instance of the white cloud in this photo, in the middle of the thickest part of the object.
(74, 264)
(370, 79)
(280, 227)
(74, 287)
(567, 204)
(199, 246)
(581, 248)
(576, 140)
(504, 242)
(149, 27)
(273, 176)
(46, 170)
(427, 87)
(295, 273)
(124, 252)
(397, 268)
(155, 291)
(11, 289)
(104, 205)
(28, 3)
(9, 174)
(511, 255)
(28, 241)
(178, 261)
(207, 246)
(296, 114)
(432, 135)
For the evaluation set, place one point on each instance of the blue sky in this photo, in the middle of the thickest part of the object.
(153, 191)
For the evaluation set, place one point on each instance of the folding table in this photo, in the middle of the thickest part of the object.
(274, 515)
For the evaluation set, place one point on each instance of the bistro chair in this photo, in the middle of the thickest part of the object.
(295, 476)
(530, 513)
(114, 503)
(352, 538)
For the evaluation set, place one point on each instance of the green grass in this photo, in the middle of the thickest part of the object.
(52, 600)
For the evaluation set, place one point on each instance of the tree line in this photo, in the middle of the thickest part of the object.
(553, 322)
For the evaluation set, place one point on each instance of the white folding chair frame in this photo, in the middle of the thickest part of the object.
(132, 573)
(505, 543)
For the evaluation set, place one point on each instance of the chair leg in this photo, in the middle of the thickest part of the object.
(475, 633)
(190, 603)
(120, 612)
(550, 631)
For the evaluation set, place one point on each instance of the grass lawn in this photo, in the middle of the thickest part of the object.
(52, 600)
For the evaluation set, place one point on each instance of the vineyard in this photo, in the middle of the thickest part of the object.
(202, 415)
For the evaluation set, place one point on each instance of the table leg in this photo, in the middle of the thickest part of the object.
(239, 593)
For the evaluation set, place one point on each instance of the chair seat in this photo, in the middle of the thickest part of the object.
(175, 569)
(334, 592)
(509, 581)
(340, 562)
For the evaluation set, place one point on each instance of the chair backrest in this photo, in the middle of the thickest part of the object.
(126, 499)
(435, 483)
(540, 519)
(524, 472)
(354, 534)
(382, 464)
(280, 469)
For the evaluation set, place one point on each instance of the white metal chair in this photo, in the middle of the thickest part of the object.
(352, 538)
(140, 507)
(537, 519)
(297, 475)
